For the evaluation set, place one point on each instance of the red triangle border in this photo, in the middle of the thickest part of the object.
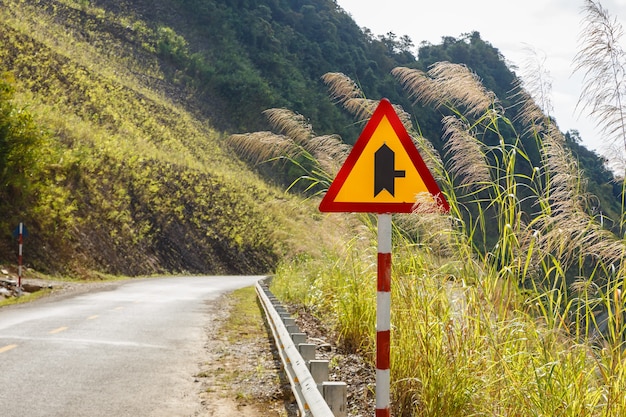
(385, 108)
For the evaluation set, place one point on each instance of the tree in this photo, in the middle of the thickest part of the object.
(21, 145)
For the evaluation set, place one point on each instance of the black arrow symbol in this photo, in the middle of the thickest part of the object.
(385, 171)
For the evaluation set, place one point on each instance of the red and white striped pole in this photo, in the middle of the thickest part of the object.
(20, 240)
(383, 317)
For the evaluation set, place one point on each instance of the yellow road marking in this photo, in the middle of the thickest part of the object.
(118, 308)
(95, 316)
(7, 348)
(59, 330)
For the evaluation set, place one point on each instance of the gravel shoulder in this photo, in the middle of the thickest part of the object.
(348, 367)
(242, 373)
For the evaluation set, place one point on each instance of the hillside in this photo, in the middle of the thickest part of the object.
(124, 177)
(126, 106)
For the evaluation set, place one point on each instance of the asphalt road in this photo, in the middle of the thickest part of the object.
(129, 350)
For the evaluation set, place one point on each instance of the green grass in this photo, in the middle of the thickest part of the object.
(25, 298)
(458, 350)
(246, 321)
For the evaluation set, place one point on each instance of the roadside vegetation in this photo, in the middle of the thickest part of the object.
(511, 304)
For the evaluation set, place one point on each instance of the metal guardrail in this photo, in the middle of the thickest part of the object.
(316, 397)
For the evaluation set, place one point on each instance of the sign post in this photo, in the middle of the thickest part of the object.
(382, 174)
(20, 241)
(20, 232)
(383, 317)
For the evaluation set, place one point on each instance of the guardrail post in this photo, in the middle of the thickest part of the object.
(307, 351)
(296, 359)
(319, 371)
(298, 338)
(335, 394)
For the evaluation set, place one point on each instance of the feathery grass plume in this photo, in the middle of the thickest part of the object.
(425, 204)
(297, 143)
(536, 79)
(532, 94)
(568, 230)
(329, 151)
(432, 228)
(530, 115)
(290, 124)
(466, 154)
(343, 89)
(421, 87)
(463, 87)
(261, 147)
(602, 61)
(615, 160)
(447, 84)
(564, 196)
(347, 93)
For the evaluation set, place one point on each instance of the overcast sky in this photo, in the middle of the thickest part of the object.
(549, 27)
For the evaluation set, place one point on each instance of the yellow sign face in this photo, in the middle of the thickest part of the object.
(384, 172)
(359, 186)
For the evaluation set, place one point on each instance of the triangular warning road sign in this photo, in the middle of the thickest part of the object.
(384, 171)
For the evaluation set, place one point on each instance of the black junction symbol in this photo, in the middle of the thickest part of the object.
(385, 171)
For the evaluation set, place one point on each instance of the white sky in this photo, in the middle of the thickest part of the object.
(549, 27)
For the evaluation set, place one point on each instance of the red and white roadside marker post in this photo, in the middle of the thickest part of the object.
(382, 174)
(19, 232)
(20, 243)
(383, 318)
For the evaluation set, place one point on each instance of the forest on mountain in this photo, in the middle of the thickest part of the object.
(114, 117)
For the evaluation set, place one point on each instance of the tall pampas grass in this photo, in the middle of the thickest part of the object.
(468, 312)
(260, 147)
(328, 150)
(447, 84)
(602, 61)
(293, 125)
(349, 95)
(564, 227)
(532, 94)
(295, 141)
(537, 81)
(467, 159)
(568, 229)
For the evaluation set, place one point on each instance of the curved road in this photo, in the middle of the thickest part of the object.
(129, 350)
